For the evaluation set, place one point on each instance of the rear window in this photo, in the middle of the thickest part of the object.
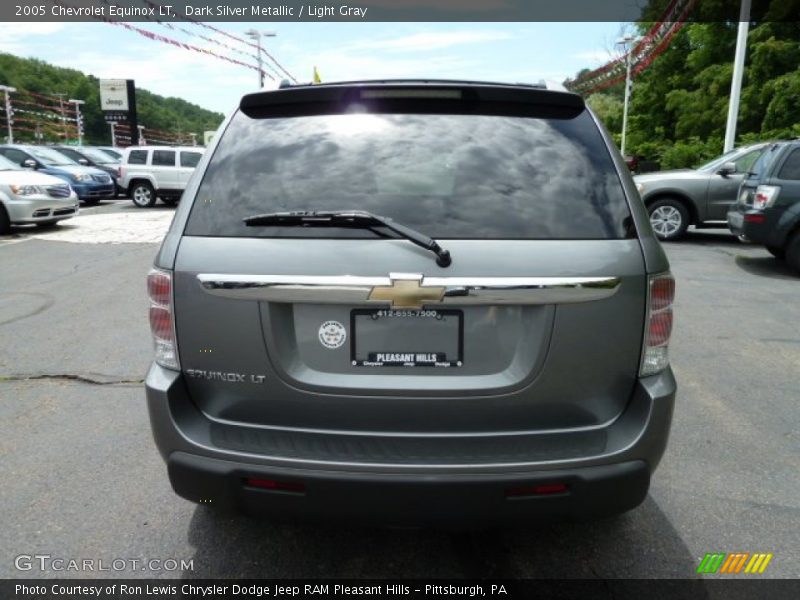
(137, 157)
(791, 168)
(190, 159)
(761, 166)
(163, 158)
(449, 176)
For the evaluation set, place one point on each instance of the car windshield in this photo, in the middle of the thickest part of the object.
(50, 157)
(451, 176)
(7, 165)
(112, 153)
(97, 156)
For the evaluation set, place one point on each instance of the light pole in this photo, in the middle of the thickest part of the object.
(113, 134)
(256, 35)
(738, 71)
(142, 141)
(78, 121)
(9, 120)
(626, 45)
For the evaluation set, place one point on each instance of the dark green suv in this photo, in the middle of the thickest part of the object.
(768, 209)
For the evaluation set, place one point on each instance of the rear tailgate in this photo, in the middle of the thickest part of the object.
(537, 324)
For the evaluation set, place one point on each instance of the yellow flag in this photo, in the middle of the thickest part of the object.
(317, 78)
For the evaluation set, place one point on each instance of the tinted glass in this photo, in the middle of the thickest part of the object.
(451, 176)
(14, 155)
(791, 168)
(137, 157)
(7, 165)
(764, 161)
(745, 163)
(163, 158)
(190, 159)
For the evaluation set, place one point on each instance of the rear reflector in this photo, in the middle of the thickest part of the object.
(278, 486)
(547, 489)
(655, 354)
(754, 218)
(162, 325)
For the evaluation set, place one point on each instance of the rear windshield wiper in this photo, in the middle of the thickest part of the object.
(349, 218)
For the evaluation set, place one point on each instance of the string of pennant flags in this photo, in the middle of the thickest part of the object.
(641, 54)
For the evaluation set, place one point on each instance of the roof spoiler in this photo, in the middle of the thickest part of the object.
(445, 97)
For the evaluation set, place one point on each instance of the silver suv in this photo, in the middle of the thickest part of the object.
(412, 302)
(151, 172)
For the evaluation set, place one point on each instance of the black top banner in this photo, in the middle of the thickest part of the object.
(396, 10)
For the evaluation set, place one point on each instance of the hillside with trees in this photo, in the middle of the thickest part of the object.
(156, 112)
(679, 103)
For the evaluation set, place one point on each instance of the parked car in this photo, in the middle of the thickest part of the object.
(699, 197)
(768, 208)
(92, 157)
(30, 197)
(150, 172)
(90, 184)
(412, 301)
(112, 151)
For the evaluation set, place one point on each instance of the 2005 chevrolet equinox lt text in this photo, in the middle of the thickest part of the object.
(412, 302)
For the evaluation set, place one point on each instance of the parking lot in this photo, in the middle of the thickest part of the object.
(86, 480)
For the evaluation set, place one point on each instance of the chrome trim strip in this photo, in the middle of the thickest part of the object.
(458, 291)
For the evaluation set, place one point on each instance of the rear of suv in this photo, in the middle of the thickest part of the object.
(412, 302)
(768, 209)
(152, 172)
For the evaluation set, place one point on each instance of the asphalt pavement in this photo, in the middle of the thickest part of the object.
(80, 477)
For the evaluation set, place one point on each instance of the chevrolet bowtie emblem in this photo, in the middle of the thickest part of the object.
(406, 293)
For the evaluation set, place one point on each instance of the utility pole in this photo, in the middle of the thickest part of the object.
(78, 119)
(738, 72)
(256, 35)
(9, 113)
(627, 47)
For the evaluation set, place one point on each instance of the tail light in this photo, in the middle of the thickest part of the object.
(162, 323)
(765, 196)
(120, 170)
(661, 293)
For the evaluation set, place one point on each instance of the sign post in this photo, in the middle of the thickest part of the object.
(118, 103)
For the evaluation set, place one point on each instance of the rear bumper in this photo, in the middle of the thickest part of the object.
(397, 499)
(759, 226)
(612, 478)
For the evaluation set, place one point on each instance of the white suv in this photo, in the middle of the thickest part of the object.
(150, 172)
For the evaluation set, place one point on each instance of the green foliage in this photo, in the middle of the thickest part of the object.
(679, 103)
(156, 112)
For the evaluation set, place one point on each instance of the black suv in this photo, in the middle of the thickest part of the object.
(768, 209)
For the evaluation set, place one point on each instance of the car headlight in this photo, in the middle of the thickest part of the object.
(26, 190)
(81, 177)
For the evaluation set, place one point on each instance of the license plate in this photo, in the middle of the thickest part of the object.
(406, 338)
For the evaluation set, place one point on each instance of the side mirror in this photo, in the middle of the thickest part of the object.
(83, 161)
(728, 168)
(29, 163)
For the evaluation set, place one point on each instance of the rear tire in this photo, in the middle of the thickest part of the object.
(793, 252)
(669, 219)
(143, 194)
(776, 251)
(5, 222)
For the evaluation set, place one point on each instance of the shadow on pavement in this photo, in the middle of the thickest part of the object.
(640, 544)
(709, 236)
(765, 266)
